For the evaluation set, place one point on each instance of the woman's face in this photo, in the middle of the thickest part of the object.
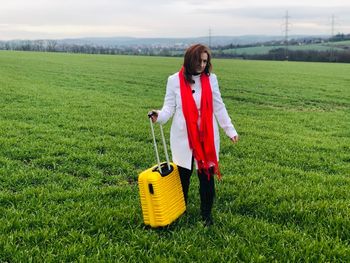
(202, 63)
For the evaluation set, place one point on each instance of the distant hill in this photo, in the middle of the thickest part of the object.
(300, 47)
(171, 42)
(134, 42)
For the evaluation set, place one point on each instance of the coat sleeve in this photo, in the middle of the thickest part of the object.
(220, 111)
(169, 103)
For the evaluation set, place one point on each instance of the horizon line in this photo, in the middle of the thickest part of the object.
(193, 37)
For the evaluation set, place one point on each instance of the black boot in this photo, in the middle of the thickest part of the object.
(207, 195)
(206, 207)
(208, 221)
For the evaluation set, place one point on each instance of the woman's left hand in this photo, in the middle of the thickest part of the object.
(234, 139)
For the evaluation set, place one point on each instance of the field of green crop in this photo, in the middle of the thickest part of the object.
(74, 135)
(341, 43)
(260, 50)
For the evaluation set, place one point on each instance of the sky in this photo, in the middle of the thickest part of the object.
(56, 19)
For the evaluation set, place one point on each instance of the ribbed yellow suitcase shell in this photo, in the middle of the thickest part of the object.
(162, 199)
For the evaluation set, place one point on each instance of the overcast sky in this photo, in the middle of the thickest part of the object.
(38, 19)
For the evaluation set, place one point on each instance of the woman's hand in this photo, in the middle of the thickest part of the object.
(234, 139)
(153, 114)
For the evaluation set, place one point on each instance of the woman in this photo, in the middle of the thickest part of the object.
(193, 97)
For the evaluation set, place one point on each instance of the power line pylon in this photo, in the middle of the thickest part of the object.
(286, 30)
(209, 40)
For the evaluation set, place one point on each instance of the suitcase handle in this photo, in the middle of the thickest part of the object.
(156, 148)
(164, 169)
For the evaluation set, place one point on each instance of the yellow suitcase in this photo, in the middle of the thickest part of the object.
(160, 190)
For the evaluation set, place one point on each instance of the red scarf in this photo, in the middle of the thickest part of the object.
(201, 139)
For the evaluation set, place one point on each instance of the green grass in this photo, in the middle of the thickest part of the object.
(341, 43)
(260, 50)
(74, 135)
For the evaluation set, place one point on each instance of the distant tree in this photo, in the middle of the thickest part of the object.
(38, 45)
(51, 45)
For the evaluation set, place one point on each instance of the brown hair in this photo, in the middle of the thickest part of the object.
(191, 59)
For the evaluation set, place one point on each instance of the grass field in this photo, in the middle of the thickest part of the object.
(74, 135)
(260, 50)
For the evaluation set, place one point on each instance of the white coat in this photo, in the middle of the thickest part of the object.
(181, 152)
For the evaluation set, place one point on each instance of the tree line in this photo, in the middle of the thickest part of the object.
(330, 55)
(295, 55)
(55, 46)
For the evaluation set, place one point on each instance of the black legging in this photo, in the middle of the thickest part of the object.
(206, 188)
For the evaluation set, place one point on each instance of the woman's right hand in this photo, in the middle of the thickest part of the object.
(234, 139)
(153, 114)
